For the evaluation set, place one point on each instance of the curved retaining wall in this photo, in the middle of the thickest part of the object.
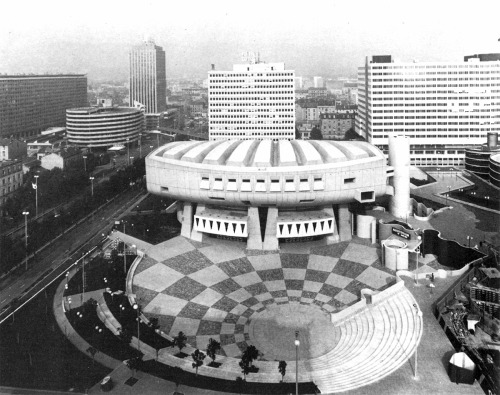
(449, 253)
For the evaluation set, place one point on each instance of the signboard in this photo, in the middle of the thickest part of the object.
(401, 233)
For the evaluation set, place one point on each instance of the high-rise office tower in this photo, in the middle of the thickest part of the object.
(148, 84)
(254, 100)
(30, 104)
(442, 106)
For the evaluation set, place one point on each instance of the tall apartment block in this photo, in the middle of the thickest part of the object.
(30, 104)
(148, 84)
(443, 107)
(253, 101)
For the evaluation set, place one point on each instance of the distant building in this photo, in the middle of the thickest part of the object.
(148, 84)
(11, 178)
(444, 107)
(68, 157)
(319, 82)
(12, 149)
(32, 103)
(317, 92)
(45, 144)
(253, 101)
(334, 126)
(103, 126)
(196, 108)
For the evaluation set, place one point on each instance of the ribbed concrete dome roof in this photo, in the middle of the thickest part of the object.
(268, 153)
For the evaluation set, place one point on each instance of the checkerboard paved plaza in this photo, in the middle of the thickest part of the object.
(215, 290)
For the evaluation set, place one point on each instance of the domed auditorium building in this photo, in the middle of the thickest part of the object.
(266, 192)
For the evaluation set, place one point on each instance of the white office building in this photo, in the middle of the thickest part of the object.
(253, 101)
(442, 106)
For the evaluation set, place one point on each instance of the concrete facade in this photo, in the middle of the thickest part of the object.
(265, 192)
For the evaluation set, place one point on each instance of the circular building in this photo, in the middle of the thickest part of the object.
(495, 170)
(103, 127)
(265, 192)
(477, 159)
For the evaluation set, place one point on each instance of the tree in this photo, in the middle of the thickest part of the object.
(212, 348)
(125, 335)
(134, 363)
(92, 351)
(198, 358)
(316, 134)
(282, 369)
(297, 133)
(180, 341)
(245, 365)
(251, 353)
(177, 374)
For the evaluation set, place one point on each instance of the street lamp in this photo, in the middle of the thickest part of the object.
(36, 195)
(140, 145)
(419, 314)
(85, 163)
(92, 184)
(128, 152)
(419, 238)
(469, 238)
(26, 213)
(449, 190)
(138, 309)
(83, 278)
(297, 344)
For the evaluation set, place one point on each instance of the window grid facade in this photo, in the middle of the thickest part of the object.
(442, 107)
(31, 104)
(252, 101)
(148, 84)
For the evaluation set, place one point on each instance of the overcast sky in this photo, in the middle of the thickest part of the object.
(328, 38)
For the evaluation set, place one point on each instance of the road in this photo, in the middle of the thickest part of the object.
(101, 174)
(58, 258)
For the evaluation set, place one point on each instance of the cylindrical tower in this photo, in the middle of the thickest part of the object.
(399, 159)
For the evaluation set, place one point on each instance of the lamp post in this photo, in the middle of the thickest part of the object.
(140, 145)
(92, 185)
(128, 152)
(297, 344)
(419, 238)
(449, 190)
(419, 314)
(469, 238)
(36, 195)
(138, 309)
(83, 278)
(124, 252)
(85, 163)
(26, 213)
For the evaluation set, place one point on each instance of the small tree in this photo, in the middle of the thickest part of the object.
(92, 351)
(282, 369)
(198, 358)
(134, 363)
(316, 134)
(178, 374)
(245, 365)
(125, 335)
(212, 348)
(251, 353)
(180, 341)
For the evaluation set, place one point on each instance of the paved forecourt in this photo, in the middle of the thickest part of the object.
(241, 297)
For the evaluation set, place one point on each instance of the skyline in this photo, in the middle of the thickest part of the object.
(321, 38)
